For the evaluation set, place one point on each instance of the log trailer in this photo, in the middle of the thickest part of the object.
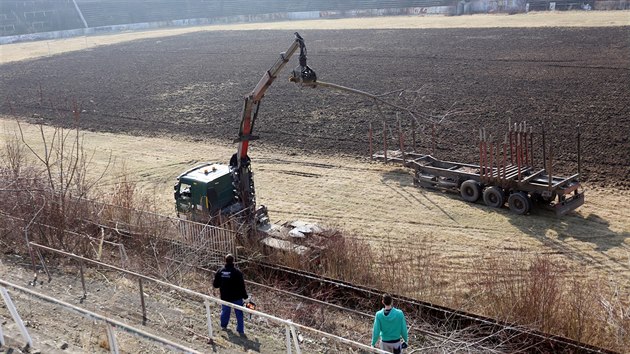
(505, 174)
(213, 189)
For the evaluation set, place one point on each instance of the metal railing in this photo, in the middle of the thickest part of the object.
(291, 328)
(110, 323)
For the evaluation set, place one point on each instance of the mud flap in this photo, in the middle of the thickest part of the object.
(569, 204)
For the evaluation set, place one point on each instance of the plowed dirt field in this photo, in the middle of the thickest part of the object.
(457, 80)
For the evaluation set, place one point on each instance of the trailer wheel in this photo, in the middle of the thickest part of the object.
(470, 190)
(494, 197)
(519, 203)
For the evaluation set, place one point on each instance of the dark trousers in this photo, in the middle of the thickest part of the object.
(225, 316)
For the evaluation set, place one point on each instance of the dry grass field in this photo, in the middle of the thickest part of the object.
(379, 203)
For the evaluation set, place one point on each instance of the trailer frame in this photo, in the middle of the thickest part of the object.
(505, 174)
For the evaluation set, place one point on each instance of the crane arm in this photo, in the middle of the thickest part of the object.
(301, 74)
(239, 163)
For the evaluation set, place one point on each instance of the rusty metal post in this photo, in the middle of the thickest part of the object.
(491, 157)
(544, 150)
(579, 162)
(525, 145)
(497, 158)
(144, 309)
(521, 153)
(511, 145)
(370, 138)
(385, 141)
(531, 146)
(485, 154)
(480, 153)
(518, 153)
(504, 156)
(515, 133)
(550, 171)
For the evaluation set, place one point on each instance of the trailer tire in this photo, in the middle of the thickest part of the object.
(470, 190)
(519, 203)
(494, 197)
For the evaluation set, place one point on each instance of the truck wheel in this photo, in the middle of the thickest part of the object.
(470, 190)
(519, 203)
(494, 197)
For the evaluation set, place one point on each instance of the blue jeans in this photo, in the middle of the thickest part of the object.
(225, 316)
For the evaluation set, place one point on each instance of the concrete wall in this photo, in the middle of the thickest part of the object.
(20, 16)
(21, 20)
(31, 16)
(227, 19)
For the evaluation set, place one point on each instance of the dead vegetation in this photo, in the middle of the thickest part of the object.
(47, 200)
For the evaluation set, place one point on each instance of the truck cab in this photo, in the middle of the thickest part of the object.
(203, 191)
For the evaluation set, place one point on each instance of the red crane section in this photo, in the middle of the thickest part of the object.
(301, 74)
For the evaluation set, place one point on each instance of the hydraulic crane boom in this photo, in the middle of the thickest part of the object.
(239, 163)
(301, 74)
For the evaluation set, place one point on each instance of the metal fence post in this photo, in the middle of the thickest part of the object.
(144, 308)
(41, 260)
(288, 336)
(296, 342)
(1, 336)
(16, 316)
(111, 338)
(208, 316)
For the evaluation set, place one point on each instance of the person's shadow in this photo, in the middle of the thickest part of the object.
(244, 341)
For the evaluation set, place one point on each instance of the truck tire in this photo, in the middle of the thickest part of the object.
(494, 197)
(470, 190)
(519, 203)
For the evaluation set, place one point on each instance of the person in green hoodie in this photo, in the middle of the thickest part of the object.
(390, 325)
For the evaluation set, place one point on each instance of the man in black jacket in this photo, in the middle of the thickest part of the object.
(231, 285)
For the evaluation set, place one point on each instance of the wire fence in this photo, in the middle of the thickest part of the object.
(103, 231)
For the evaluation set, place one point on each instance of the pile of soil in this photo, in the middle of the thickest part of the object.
(456, 80)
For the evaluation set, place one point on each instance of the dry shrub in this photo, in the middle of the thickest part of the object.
(45, 200)
(13, 157)
(413, 273)
(346, 258)
(539, 293)
(45, 186)
(124, 191)
(524, 293)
